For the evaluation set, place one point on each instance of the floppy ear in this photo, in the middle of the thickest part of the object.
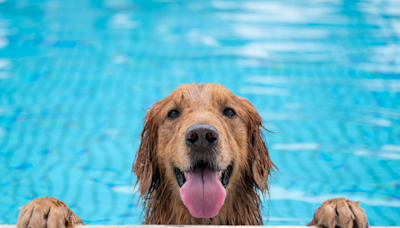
(260, 163)
(145, 166)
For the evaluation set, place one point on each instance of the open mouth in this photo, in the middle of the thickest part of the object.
(223, 175)
(203, 188)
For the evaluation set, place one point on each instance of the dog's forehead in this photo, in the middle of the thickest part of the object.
(202, 94)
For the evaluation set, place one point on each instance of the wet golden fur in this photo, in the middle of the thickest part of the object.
(241, 145)
(162, 148)
(47, 212)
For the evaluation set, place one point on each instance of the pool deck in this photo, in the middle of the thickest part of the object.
(161, 226)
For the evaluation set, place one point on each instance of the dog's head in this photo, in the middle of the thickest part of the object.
(202, 143)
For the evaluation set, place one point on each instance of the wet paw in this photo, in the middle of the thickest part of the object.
(47, 212)
(340, 213)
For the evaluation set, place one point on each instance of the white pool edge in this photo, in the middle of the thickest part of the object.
(171, 226)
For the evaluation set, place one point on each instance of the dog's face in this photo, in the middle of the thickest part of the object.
(202, 142)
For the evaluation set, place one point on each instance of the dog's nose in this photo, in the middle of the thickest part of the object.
(201, 136)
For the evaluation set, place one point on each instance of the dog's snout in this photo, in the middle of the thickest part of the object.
(201, 136)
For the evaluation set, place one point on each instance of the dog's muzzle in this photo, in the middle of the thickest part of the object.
(202, 186)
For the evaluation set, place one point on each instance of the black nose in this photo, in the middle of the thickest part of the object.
(201, 136)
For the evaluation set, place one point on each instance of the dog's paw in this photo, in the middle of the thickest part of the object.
(47, 212)
(340, 212)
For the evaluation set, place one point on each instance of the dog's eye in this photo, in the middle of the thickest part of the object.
(173, 114)
(229, 112)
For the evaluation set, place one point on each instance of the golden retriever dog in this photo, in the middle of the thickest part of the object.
(202, 160)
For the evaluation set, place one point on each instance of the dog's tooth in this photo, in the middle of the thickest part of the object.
(184, 174)
(220, 174)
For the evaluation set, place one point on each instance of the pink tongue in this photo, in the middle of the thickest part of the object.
(203, 193)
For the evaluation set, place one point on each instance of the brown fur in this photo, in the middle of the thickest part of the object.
(47, 212)
(241, 143)
(340, 212)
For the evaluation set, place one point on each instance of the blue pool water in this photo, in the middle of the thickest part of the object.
(76, 78)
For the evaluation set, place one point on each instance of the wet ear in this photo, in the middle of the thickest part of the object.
(260, 163)
(145, 166)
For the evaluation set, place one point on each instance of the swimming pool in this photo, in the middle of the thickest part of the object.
(77, 76)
